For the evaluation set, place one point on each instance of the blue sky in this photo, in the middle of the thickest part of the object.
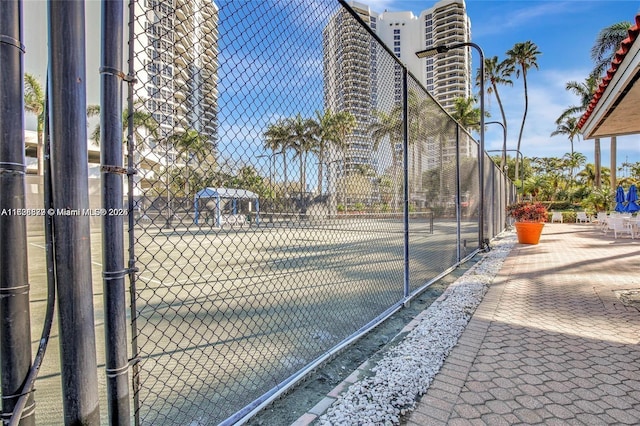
(564, 32)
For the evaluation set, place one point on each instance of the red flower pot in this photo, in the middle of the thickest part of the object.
(529, 232)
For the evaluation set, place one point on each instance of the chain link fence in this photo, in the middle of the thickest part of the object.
(270, 198)
(294, 186)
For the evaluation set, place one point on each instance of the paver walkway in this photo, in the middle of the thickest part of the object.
(550, 343)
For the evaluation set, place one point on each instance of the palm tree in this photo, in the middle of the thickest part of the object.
(569, 128)
(606, 44)
(574, 161)
(301, 139)
(534, 185)
(277, 140)
(587, 176)
(524, 55)
(323, 136)
(34, 104)
(419, 109)
(585, 92)
(389, 127)
(496, 73)
(143, 122)
(342, 125)
(193, 145)
(604, 48)
(331, 130)
(465, 113)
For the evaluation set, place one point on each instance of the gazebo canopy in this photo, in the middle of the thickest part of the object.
(218, 194)
(226, 193)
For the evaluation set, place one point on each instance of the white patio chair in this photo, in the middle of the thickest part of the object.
(619, 225)
(556, 217)
(601, 220)
(634, 226)
(581, 217)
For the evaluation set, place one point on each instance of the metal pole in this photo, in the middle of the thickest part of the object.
(481, 241)
(443, 49)
(135, 369)
(115, 320)
(15, 328)
(67, 84)
(504, 140)
(405, 174)
(458, 198)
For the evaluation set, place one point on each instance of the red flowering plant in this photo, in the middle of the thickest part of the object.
(528, 212)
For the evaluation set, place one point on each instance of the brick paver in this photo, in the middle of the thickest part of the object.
(550, 343)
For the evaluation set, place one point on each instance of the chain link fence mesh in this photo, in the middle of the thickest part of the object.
(269, 197)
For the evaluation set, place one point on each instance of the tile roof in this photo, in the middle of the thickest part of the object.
(625, 46)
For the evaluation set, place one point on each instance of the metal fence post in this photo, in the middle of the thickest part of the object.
(132, 206)
(458, 198)
(405, 175)
(117, 364)
(15, 334)
(67, 83)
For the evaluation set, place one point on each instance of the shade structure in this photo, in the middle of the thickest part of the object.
(632, 200)
(218, 194)
(620, 198)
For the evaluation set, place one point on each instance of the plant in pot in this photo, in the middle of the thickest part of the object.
(530, 218)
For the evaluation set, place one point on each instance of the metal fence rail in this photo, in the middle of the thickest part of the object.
(294, 186)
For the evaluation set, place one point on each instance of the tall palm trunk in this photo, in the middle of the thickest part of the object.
(303, 174)
(320, 169)
(597, 160)
(284, 170)
(613, 163)
(40, 148)
(524, 115)
(503, 156)
(396, 184)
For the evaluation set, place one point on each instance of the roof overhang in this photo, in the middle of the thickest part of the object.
(615, 108)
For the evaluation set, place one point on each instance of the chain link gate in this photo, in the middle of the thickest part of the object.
(275, 214)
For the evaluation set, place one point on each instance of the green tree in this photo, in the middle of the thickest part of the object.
(277, 140)
(389, 127)
(466, 113)
(248, 178)
(569, 128)
(607, 42)
(604, 48)
(534, 185)
(498, 73)
(587, 176)
(301, 140)
(193, 145)
(574, 160)
(420, 110)
(34, 104)
(523, 56)
(198, 154)
(144, 124)
(331, 131)
(585, 92)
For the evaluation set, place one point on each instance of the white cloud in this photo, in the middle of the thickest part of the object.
(547, 100)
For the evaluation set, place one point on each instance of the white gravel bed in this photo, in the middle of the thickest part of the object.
(407, 370)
